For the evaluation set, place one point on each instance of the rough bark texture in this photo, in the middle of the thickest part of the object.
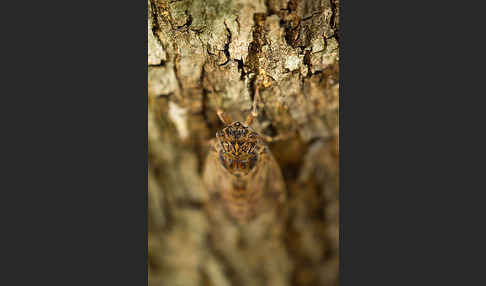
(206, 54)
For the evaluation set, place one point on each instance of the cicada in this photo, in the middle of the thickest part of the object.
(241, 174)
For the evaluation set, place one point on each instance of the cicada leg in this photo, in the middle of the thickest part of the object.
(224, 117)
(254, 113)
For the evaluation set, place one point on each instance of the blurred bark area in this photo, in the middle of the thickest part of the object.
(206, 54)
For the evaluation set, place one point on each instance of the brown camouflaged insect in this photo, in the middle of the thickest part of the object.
(241, 174)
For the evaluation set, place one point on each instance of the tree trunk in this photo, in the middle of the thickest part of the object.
(205, 55)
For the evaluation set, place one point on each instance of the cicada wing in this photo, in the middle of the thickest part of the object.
(217, 183)
(268, 183)
(269, 197)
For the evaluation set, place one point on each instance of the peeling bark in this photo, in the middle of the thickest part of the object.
(204, 55)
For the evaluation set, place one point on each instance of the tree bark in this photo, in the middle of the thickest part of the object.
(205, 55)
